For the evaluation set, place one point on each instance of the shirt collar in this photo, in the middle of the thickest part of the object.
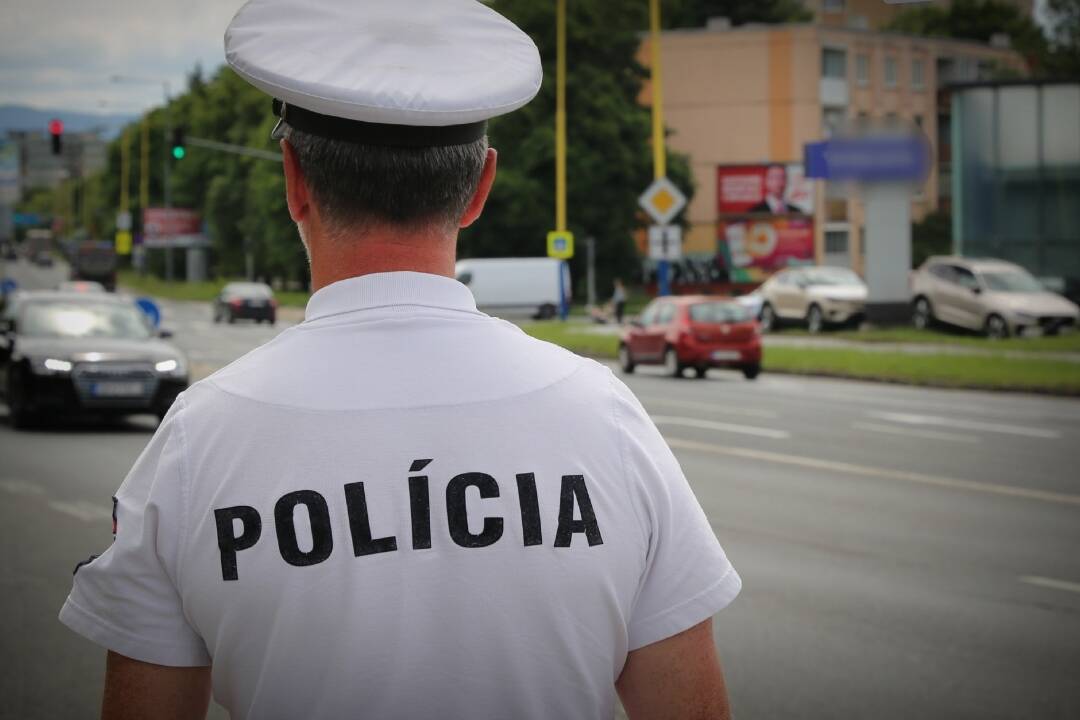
(388, 289)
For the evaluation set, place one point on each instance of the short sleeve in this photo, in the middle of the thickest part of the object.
(127, 600)
(687, 576)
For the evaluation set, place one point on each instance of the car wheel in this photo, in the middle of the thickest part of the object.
(231, 317)
(701, 372)
(672, 366)
(626, 361)
(815, 319)
(20, 416)
(547, 311)
(751, 371)
(768, 319)
(217, 316)
(922, 315)
(996, 328)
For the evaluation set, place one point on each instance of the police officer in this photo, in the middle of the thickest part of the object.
(402, 507)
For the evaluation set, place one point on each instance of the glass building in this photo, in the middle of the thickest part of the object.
(1016, 176)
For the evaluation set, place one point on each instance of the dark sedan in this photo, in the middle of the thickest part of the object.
(64, 353)
(245, 301)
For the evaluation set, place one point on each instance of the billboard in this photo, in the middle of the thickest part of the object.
(767, 189)
(173, 227)
(754, 249)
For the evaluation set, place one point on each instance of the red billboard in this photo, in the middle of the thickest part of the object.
(754, 249)
(168, 222)
(772, 189)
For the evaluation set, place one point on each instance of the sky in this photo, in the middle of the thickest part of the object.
(63, 53)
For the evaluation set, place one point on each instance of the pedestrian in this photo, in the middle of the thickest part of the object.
(402, 507)
(618, 299)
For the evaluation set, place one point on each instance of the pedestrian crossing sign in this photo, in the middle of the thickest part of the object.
(123, 242)
(560, 244)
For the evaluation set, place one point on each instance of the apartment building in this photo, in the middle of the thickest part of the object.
(755, 95)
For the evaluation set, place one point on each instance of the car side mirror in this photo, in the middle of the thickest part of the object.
(165, 334)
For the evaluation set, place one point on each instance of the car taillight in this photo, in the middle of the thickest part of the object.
(236, 302)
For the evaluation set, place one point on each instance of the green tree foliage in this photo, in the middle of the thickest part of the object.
(1064, 58)
(978, 20)
(931, 236)
(695, 13)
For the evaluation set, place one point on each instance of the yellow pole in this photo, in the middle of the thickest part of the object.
(560, 116)
(659, 155)
(125, 170)
(144, 165)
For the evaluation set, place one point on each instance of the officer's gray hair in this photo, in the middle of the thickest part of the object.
(360, 185)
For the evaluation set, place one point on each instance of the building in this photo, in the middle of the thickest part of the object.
(1016, 178)
(753, 96)
(82, 154)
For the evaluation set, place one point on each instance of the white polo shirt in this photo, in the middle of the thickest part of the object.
(404, 508)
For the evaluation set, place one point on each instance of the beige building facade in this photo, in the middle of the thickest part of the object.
(758, 94)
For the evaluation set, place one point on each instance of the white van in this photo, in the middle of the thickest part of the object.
(515, 286)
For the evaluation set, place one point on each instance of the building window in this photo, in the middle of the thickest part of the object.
(832, 121)
(862, 69)
(890, 71)
(836, 241)
(834, 63)
(834, 6)
(919, 122)
(917, 74)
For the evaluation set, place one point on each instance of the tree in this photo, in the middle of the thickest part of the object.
(1064, 57)
(696, 13)
(931, 236)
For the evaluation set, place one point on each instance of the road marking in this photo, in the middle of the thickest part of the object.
(21, 487)
(82, 509)
(708, 407)
(722, 427)
(911, 419)
(901, 475)
(927, 434)
(1050, 583)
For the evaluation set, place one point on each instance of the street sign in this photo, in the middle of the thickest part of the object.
(560, 244)
(123, 242)
(868, 159)
(662, 200)
(665, 242)
(150, 309)
(123, 220)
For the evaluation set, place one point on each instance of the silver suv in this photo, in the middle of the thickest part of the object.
(995, 297)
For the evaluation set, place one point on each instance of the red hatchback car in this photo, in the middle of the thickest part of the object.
(693, 331)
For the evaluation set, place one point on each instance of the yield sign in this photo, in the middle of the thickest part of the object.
(662, 200)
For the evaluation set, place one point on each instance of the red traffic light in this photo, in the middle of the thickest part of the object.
(56, 127)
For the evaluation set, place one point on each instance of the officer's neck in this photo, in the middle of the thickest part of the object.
(376, 250)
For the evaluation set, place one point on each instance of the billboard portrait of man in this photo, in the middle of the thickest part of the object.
(775, 186)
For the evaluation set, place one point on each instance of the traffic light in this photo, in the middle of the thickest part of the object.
(56, 130)
(178, 149)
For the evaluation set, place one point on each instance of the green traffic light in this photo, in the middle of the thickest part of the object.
(178, 152)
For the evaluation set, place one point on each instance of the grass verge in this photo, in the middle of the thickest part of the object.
(1067, 342)
(985, 372)
(199, 291)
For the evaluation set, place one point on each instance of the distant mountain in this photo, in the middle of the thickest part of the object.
(23, 117)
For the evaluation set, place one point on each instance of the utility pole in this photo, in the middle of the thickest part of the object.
(659, 151)
(590, 269)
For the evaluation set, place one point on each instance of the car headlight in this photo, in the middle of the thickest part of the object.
(172, 366)
(50, 366)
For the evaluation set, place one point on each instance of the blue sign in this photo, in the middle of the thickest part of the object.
(868, 159)
(150, 308)
(29, 219)
(8, 286)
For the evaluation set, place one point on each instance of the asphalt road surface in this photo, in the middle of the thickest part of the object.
(904, 552)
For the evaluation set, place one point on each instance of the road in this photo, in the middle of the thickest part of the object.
(905, 552)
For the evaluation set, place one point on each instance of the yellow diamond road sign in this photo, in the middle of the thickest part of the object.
(663, 201)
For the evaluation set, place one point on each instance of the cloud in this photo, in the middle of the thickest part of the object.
(63, 53)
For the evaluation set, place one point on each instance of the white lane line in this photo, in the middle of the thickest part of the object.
(867, 471)
(21, 487)
(722, 427)
(926, 434)
(709, 407)
(1050, 583)
(82, 509)
(936, 421)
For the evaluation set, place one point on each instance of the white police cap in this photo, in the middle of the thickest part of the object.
(385, 72)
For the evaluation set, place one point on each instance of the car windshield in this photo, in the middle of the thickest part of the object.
(249, 290)
(718, 312)
(831, 276)
(66, 319)
(1011, 281)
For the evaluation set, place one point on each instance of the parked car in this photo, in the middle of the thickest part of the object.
(43, 258)
(819, 297)
(508, 287)
(693, 331)
(995, 297)
(246, 301)
(71, 352)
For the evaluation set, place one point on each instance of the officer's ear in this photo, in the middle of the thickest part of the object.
(487, 179)
(296, 190)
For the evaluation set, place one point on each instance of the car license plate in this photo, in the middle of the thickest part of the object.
(726, 355)
(116, 389)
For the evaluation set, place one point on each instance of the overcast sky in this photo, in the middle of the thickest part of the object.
(62, 53)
